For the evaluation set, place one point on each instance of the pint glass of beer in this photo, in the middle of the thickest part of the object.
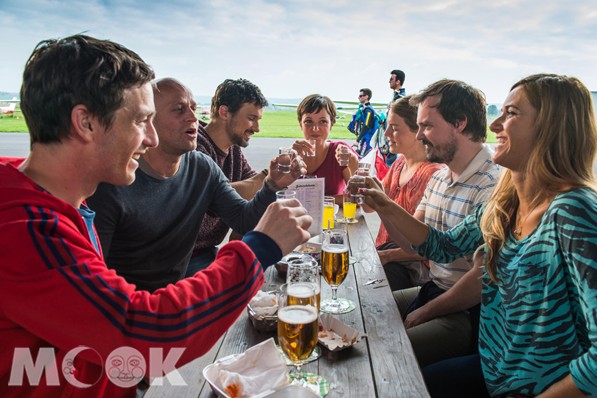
(334, 268)
(297, 323)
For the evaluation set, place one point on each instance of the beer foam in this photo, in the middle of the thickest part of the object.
(335, 248)
(302, 290)
(297, 314)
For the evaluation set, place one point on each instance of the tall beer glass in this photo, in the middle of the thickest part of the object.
(297, 323)
(334, 268)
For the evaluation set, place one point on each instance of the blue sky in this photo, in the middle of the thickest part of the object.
(294, 48)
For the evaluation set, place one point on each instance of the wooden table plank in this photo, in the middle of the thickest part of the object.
(191, 373)
(382, 365)
(395, 366)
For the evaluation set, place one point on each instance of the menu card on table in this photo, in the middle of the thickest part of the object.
(309, 191)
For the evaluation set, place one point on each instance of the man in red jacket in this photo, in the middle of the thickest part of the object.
(64, 316)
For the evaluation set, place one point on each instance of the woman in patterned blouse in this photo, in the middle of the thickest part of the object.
(538, 330)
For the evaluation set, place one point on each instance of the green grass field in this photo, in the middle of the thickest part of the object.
(10, 123)
(275, 124)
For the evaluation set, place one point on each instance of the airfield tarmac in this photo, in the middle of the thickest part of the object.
(259, 152)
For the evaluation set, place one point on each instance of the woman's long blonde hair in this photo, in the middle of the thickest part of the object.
(562, 157)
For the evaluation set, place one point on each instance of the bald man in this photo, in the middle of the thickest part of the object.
(148, 229)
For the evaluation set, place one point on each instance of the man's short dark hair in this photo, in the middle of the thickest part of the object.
(399, 75)
(457, 101)
(367, 92)
(234, 94)
(63, 73)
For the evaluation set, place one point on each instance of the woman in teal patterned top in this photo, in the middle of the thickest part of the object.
(538, 331)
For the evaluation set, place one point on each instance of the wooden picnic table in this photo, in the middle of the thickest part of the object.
(381, 365)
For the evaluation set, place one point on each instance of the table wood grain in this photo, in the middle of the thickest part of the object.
(381, 365)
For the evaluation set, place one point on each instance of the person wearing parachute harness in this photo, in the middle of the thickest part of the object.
(364, 123)
(396, 81)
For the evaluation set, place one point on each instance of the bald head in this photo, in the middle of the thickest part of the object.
(168, 84)
(175, 120)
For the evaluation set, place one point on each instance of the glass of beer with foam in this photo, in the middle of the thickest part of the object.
(334, 268)
(297, 323)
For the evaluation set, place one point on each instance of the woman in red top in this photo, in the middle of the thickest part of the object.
(317, 115)
(405, 184)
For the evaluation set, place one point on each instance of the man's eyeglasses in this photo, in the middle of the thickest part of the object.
(362, 95)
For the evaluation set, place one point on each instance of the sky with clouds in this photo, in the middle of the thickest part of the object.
(294, 48)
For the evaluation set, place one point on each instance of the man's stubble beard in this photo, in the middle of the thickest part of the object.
(444, 155)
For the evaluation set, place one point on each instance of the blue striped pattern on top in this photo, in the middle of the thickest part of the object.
(446, 203)
(115, 305)
(539, 323)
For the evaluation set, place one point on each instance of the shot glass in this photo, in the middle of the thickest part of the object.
(363, 169)
(354, 184)
(344, 155)
(285, 194)
(311, 153)
(285, 159)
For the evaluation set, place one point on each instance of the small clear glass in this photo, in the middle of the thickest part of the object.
(311, 153)
(343, 155)
(355, 183)
(364, 169)
(284, 159)
(285, 194)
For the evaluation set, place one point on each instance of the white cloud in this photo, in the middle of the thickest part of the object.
(294, 48)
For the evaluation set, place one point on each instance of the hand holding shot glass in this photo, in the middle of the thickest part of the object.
(285, 159)
(343, 155)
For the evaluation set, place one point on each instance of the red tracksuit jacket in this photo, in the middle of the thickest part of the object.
(57, 293)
